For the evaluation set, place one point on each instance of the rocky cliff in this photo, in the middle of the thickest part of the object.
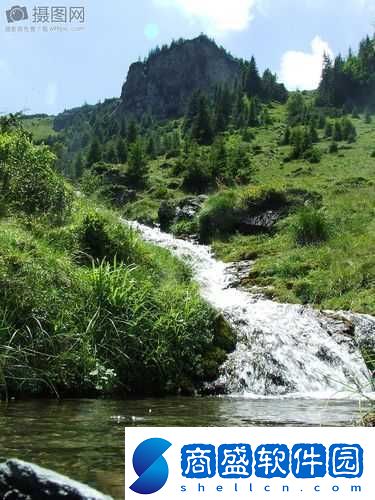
(163, 84)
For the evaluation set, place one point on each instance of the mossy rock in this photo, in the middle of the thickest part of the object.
(225, 338)
(224, 342)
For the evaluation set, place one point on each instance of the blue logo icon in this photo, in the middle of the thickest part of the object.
(151, 466)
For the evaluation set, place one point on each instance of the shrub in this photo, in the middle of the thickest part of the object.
(197, 178)
(196, 173)
(29, 183)
(68, 329)
(185, 228)
(254, 199)
(310, 227)
(100, 237)
(313, 155)
(219, 215)
(333, 148)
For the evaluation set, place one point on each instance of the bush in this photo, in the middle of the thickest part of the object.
(87, 330)
(28, 181)
(310, 227)
(313, 155)
(197, 178)
(100, 237)
(333, 148)
(254, 199)
(219, 215)
(185, 228)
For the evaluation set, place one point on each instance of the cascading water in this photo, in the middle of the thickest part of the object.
(282, 349)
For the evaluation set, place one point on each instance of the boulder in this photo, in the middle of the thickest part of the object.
(171, 212)
(188, 207)
(25, 481)
(260, 223)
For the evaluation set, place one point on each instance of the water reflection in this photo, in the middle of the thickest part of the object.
(84, 438)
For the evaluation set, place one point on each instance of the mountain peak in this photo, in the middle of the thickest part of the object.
(163, 84)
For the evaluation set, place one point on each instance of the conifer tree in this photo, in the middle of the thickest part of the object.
(132, 134)
(95, 152)
(253, 82)
(122, 150)
(137, 165)
(201, 130)
(78, 166)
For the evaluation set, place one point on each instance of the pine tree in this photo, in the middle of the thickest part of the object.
(78, 166)
(111, 154)
(368, 118)
(150, 148)
(218, 158)
(123, 129)
(201, 130)
(137, 165)
(253, 82)
(287, 137)
(254, 107)
(223, 109)
(95, 152)
(337, 132)
(314, 137)
(132, 134)
(328, 131)
(122, 150)
(296, 109)
(192, 110)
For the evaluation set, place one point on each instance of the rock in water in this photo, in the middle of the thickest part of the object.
(24, 481)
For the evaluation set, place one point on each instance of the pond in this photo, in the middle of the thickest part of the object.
(84, 438)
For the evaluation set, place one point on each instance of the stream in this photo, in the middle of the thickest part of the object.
(84, 439)
(282, 349)
(292, 366)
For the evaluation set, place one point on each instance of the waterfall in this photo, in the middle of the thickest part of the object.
(282, 349)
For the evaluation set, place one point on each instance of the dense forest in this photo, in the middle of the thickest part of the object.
(349, 82)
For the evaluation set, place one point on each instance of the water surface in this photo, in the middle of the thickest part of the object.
(84, 438)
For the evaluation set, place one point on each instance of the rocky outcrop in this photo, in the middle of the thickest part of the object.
(260, 223)
(24, 481)
(163, 84)
(171, 212)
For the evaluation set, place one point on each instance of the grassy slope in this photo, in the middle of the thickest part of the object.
(340, 273)
(70, 327)
(337, 274)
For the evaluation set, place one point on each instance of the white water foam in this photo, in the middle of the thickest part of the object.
(282, 349)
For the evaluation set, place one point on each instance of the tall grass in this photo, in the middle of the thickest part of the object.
(310, 227)
(125, 318)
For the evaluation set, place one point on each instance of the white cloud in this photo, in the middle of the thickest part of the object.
(215, 16)
(301, 70)
(51, 94)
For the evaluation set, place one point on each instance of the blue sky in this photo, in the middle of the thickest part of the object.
(51, 71)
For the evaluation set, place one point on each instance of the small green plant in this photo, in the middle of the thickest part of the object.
(219, 215)
(310, 227)
(333, 148)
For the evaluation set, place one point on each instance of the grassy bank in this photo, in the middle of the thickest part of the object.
(87, 307)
